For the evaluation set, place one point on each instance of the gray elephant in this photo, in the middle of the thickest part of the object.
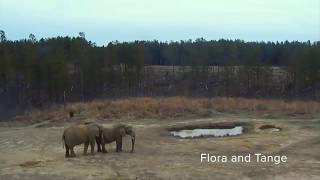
(81, 134)
(115, 133)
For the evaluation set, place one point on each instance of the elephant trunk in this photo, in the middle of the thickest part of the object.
(133, 139)
(63, 141)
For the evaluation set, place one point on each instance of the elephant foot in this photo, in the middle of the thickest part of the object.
(104, 151)
(99, 149)
(70, 156)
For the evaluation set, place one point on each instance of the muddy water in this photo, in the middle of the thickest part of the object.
(208, 132)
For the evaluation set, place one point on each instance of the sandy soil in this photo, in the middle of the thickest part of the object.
(36, 152)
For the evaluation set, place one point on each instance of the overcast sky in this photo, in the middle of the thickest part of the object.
(126, 20)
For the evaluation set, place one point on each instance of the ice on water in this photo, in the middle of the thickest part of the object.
(208, 132)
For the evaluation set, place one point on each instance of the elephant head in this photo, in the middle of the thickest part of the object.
(129, 131)
(96, 129)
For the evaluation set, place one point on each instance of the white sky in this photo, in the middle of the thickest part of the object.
(126, 20)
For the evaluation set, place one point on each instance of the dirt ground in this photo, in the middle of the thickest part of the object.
(35, 152)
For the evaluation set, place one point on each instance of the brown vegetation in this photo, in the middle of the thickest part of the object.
(173, 107)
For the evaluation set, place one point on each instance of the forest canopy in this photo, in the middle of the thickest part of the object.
(53, 70)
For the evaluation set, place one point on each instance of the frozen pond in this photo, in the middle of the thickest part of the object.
(208, 132)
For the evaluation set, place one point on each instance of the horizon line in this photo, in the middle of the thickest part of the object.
(166, 41)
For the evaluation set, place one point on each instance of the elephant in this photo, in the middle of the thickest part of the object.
(79, 134)
(115, 133)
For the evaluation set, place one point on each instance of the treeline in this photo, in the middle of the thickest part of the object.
(36, 72)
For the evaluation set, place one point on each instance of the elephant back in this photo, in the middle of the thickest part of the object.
(119, 129)
(75, 135)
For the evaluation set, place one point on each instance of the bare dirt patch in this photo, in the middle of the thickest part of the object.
(37, 153)
(30, 164)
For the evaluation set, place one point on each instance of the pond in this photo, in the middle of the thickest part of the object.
(219, 132)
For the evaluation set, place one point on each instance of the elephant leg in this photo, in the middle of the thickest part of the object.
(119, 144)
(72, 152)
(103, 148)
(98, 144)
(92, 143)
(85, 149)
(67, 151)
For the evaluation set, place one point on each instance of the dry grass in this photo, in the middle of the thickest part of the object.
(173, 107)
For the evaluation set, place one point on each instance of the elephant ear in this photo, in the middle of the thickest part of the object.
(128, 129)
(94, 129)
(121, 131)
(100, 129)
